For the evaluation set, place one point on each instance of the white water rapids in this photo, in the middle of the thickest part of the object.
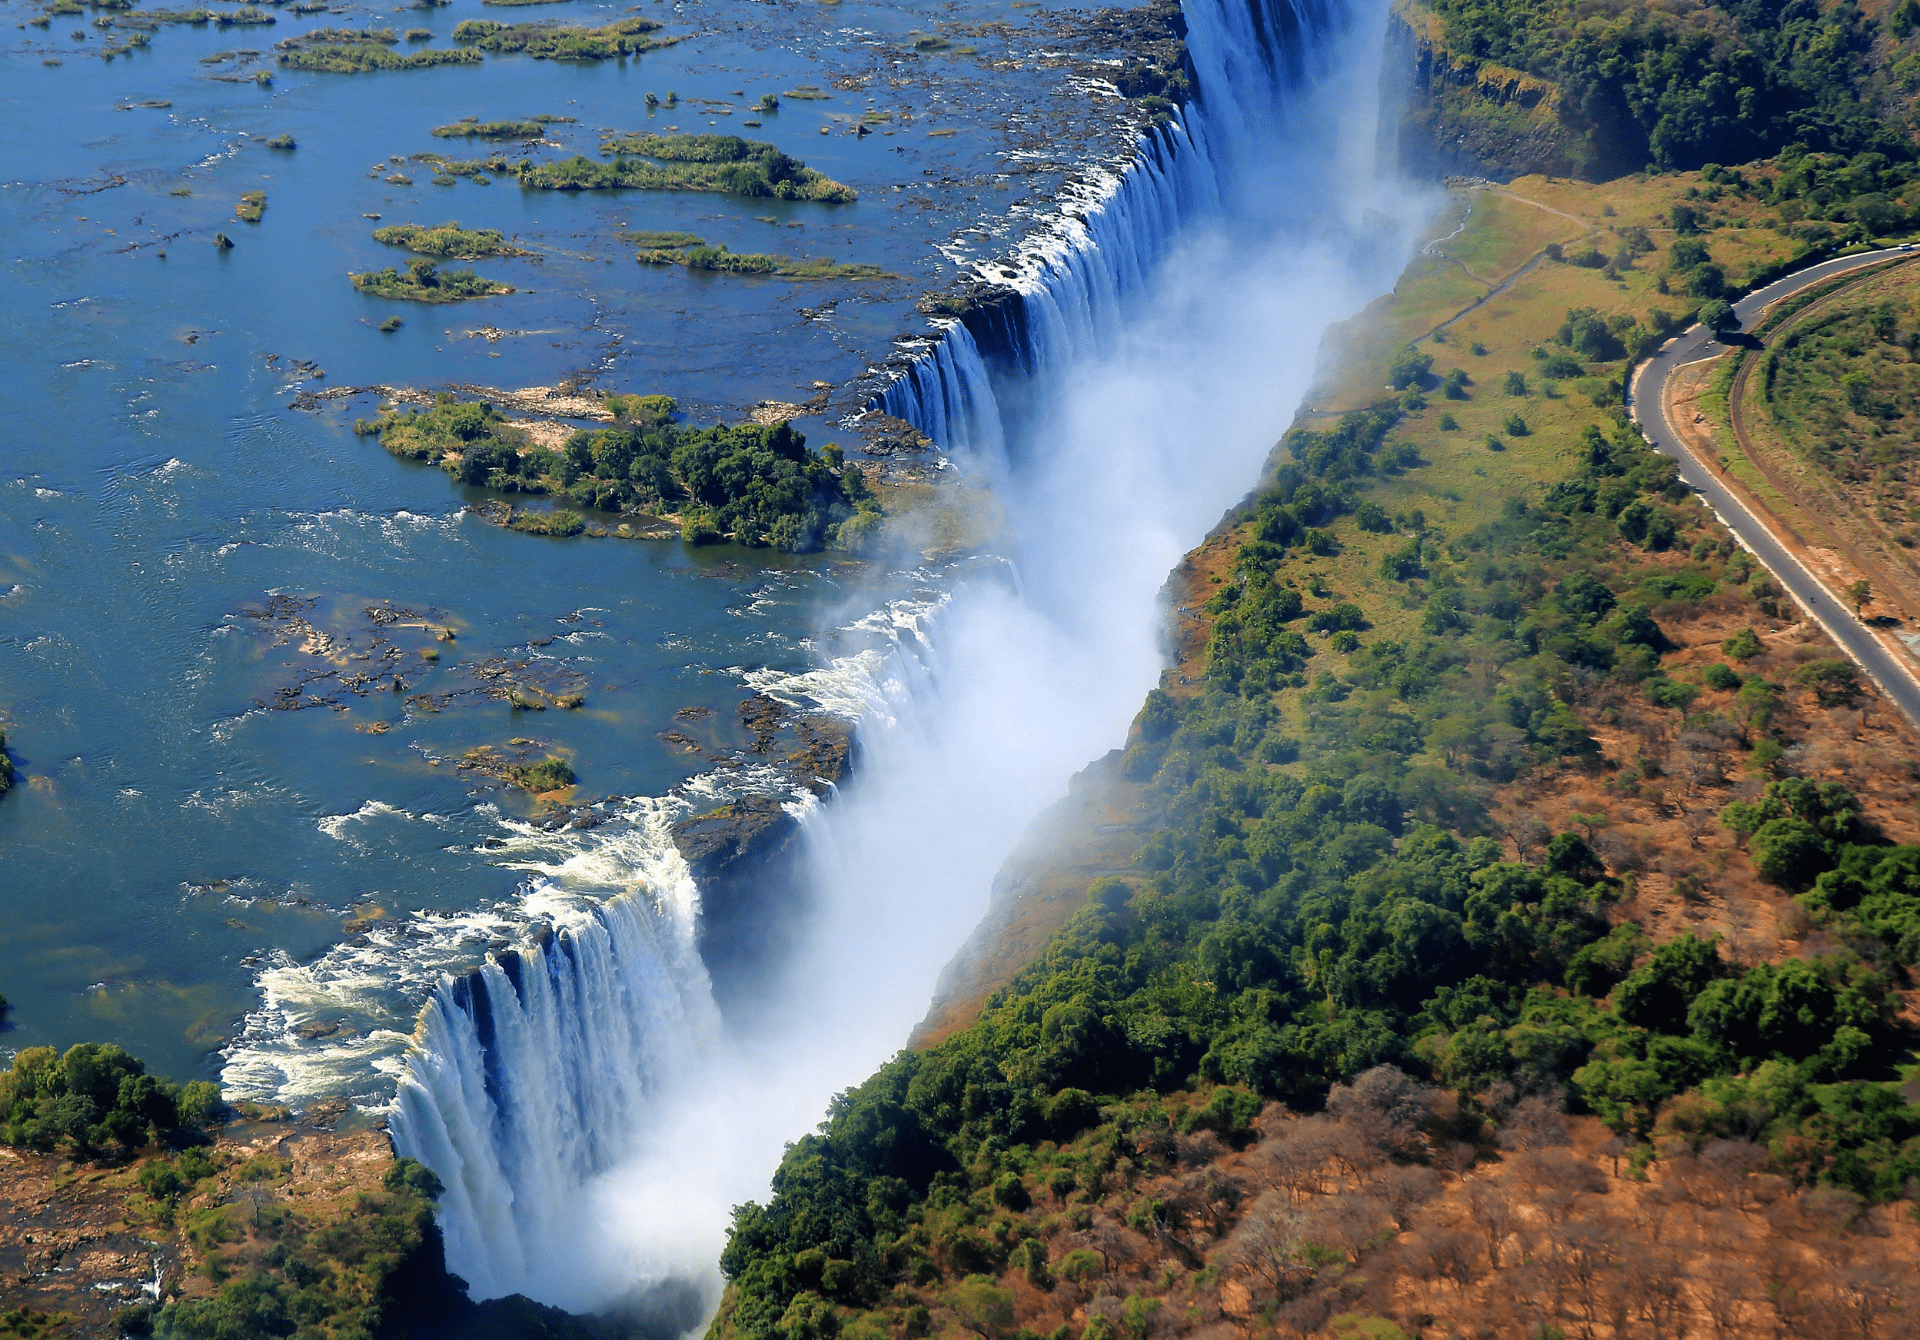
(592, 1113)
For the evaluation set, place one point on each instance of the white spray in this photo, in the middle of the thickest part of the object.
(594, 1123)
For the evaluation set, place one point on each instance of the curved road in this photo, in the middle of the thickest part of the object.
(1646, 401)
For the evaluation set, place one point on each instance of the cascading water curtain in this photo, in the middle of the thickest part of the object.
(530, 1071)
(1246, 55)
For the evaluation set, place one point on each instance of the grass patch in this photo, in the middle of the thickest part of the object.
(648, 241)
(465, 167)
(361, 58)
(545, 41)
(423, 281)
(447, 239)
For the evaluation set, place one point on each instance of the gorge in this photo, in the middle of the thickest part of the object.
(590, 1109)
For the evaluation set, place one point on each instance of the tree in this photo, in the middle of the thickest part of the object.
(1516, 384)
(1859, 593)
(1717, 315)
(1787, 851)
(1409, 368)
(1834, 682)
(1272, 1243)
(981, 1308)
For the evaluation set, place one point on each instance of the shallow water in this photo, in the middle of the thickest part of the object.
(174, 848)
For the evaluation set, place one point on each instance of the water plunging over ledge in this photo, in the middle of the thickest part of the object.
(592, 1113)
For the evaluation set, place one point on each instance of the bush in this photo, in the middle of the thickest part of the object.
(1718, 316)
(1743, 645)
(1409, 368)
(1720, 677)
(1835, 682)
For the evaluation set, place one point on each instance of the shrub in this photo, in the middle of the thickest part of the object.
(549, 774)
(1409, 368)
(1743, 645)
(1835, 682)
(1448, 424)
(1720, 677)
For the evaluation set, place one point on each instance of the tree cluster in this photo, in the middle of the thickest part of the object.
(97, 1100)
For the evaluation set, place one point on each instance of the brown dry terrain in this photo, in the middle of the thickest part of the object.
(1398, 1204)
(79, 1241)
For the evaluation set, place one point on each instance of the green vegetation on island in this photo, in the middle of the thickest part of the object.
(473, 128)
(547, 41)
(6, 776)
(549, 774)
(474, 169)
(759, 484)
(692, 252)
(423, 281)
(360, 51)
(252, 207)
(447, 239)
(720, 163)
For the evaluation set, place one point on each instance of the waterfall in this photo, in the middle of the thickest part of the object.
(1247, 56)
(540, 1060)
(592, 1116)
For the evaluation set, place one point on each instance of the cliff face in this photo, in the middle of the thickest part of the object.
(745, 854)
(1465, 117)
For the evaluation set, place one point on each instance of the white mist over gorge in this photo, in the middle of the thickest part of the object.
(593, 1110)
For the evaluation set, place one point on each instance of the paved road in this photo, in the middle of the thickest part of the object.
(1647, 404)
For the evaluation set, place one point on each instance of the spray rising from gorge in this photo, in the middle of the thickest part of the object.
(592, 1110)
